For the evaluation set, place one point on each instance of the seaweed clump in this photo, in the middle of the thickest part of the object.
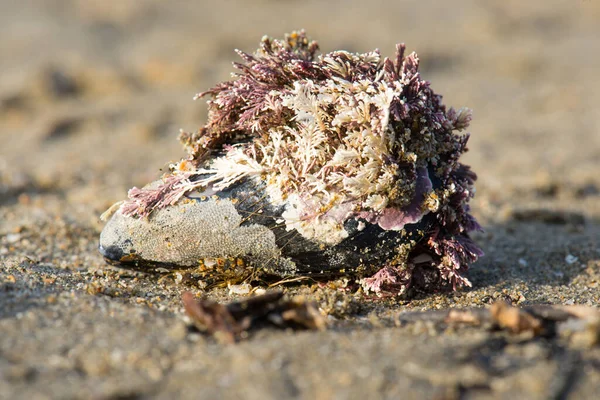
(336, 137)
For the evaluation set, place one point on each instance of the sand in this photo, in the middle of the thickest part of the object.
(92, 96)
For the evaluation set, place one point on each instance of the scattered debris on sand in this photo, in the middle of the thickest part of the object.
(577, 323)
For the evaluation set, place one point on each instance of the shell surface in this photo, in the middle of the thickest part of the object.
(241, 222)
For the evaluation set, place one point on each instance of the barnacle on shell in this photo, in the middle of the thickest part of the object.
(320, 165)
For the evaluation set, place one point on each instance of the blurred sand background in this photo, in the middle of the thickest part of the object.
(92, 96)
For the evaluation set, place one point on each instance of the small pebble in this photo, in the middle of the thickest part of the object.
(571, 259)
(12, 238)
(522, 262)
(244, 288)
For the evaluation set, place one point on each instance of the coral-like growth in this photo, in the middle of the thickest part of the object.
(334, 137)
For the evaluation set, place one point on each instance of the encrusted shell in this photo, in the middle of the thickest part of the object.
(340, 164)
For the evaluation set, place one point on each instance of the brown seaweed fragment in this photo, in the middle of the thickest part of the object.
(230, 322)
(514, 319)
(580, 324)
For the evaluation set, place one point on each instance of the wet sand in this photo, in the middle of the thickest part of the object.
(91, 101)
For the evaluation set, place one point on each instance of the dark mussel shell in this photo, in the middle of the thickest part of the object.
(186, 234)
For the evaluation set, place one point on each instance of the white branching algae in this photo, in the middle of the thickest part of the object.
(339, 164)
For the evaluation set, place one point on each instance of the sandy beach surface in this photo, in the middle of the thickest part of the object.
(92, 97)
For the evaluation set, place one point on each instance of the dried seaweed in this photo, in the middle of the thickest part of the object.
(579, 323)
(231, 322)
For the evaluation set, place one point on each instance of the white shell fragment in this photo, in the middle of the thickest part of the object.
(186, 233)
